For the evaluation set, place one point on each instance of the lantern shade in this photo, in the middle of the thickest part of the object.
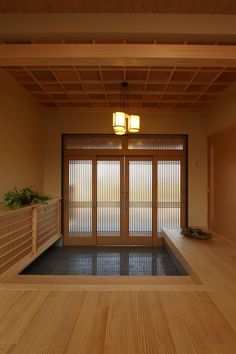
(119, 121)
(133, 123)
(120, 132)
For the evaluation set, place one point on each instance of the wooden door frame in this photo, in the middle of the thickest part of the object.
(210, 186)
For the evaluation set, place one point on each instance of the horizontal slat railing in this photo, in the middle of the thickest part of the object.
(26, 232)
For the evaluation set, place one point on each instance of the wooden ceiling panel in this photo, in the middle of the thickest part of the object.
(72, 87)
(188, 98)
(207, 98)
(41, 96)
(216, 88)
(133, 97)
(152, 97)
(136, 87)
(171, 97)
(205, 76)
(32, 87)
(159, 76)
(77, 96)
(150, 104)
(114, 6)
(112, 87)
(93, 87)
(167, 106)
(113, 97)
(136, 75)
(113, 75)
(65, 104)
(183, 105)
(200, 106)
(89, 75)
(196, 88)
(150, 88)
(20, 76)
(52, 87)
(155, 88)
(182, 76)
(59, 96)
(97, 96)
(49, 104)
(66, 76)
(82, 104)
(113, 104)
(97, 105)
(226, 77)
(43, 75)
(173, 88)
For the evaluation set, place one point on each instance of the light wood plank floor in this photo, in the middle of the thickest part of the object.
(194, 314)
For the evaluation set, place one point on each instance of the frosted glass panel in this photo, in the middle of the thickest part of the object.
(140, 198)
(80, 198)
(155, 143)
(92, 142)
(168, 197)
(108, 198)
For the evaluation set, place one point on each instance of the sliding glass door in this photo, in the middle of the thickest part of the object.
(112, 198)
(79, 207)
(109, 182)
(138, 200)
(170, 200)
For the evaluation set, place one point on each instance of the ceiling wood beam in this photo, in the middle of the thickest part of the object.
(180, 27)
(117, 55)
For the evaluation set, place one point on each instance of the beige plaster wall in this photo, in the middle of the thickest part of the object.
(221, 127)
(21, 143)
(222, 116)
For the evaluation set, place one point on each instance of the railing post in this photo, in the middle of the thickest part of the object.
(34, 230)
(59, 217)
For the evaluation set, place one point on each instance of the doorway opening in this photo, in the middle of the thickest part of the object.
(123, 190)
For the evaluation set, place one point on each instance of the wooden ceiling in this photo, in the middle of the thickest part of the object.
(98, 87)
(82, 67)
(121, 6)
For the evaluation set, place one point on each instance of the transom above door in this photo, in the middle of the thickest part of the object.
(116, 195)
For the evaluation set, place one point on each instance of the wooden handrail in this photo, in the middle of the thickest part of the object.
(44, 230)
(6, 212)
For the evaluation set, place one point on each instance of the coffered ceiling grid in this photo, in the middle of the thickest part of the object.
(150, 88)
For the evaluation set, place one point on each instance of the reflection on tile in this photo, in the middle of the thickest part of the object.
(112, 260)
(108, 264)
(140, 264)
(83, 264)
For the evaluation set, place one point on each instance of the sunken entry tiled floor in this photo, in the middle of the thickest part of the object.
(105, 260)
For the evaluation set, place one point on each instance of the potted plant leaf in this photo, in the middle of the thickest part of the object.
(26, 196)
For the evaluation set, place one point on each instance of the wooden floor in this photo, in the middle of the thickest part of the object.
(139, 315)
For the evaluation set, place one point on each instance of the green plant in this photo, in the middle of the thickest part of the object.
(14, 199)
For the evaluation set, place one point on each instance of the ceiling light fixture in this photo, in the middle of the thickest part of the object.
(123, 121)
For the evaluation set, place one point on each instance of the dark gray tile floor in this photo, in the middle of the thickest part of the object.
(113, 261)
